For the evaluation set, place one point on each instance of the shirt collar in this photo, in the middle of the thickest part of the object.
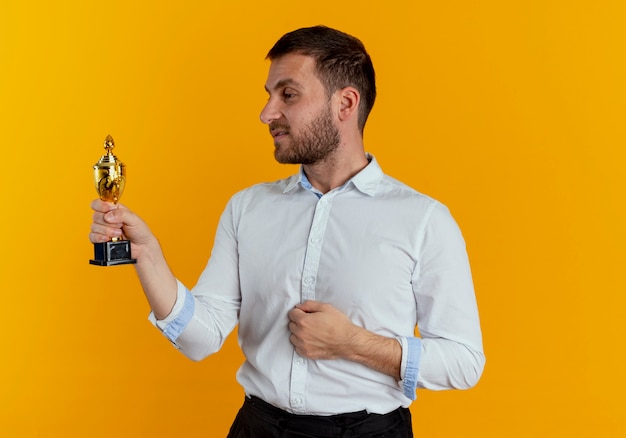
(366, 181)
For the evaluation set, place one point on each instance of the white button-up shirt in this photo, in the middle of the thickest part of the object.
(387, 256)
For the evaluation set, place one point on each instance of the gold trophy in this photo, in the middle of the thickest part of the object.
(110, 178)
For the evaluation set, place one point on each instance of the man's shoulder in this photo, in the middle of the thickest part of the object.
(405, 199)
(271, 186)
(262, 190)
(393, 187)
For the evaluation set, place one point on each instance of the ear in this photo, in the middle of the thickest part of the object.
(349, 99)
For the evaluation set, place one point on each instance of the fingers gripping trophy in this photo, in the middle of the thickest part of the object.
(110, 178)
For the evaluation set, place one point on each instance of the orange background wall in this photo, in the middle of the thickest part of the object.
(510, 112)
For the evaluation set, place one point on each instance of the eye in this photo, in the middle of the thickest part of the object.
(289, 95)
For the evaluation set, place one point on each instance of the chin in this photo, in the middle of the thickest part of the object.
(285, 160)
(283, 156)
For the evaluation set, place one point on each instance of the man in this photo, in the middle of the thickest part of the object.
(327, 272)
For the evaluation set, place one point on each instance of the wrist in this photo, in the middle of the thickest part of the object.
(147, 250)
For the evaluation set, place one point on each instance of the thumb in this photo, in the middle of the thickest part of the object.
(310, 306)
(134, 228)
(119, 215)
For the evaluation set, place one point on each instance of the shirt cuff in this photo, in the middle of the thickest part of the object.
(178, 319)
(409, 368)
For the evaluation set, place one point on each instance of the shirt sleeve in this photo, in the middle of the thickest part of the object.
(409, 369)
(451, 355)
(178, 319)
(203, 317)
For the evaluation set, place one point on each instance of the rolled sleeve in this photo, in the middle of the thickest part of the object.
(178, 319)
(409, 371)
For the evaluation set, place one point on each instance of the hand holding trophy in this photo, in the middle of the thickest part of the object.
(110, 178)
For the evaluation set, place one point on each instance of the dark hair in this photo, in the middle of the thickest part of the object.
(340, 59)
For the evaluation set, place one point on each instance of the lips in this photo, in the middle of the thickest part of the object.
(278, 131)
(278, 134)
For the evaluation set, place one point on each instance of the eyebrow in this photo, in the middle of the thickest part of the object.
(283, 83)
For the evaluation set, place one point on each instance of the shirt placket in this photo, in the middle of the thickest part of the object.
(309, 278)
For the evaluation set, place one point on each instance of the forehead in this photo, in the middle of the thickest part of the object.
(292, 69)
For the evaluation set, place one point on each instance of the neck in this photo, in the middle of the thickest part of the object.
(335, 171)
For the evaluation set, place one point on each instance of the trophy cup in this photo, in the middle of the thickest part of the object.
(110, 178)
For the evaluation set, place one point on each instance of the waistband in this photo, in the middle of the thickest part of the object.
(332, 425)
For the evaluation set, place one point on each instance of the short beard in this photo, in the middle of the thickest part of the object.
(317, 143)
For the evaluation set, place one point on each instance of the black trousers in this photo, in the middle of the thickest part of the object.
(258, 419)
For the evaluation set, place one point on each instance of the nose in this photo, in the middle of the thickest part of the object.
(270, 112)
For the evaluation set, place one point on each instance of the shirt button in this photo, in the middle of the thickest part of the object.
(297, 401)
(308, 280)
(299, 361)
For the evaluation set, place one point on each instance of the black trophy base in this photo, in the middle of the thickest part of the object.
(112, 253)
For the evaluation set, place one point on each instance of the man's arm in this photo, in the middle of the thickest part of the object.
(319, 331)
(158, 282)
(447, 312)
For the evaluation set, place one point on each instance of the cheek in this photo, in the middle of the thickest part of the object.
(300, 120)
